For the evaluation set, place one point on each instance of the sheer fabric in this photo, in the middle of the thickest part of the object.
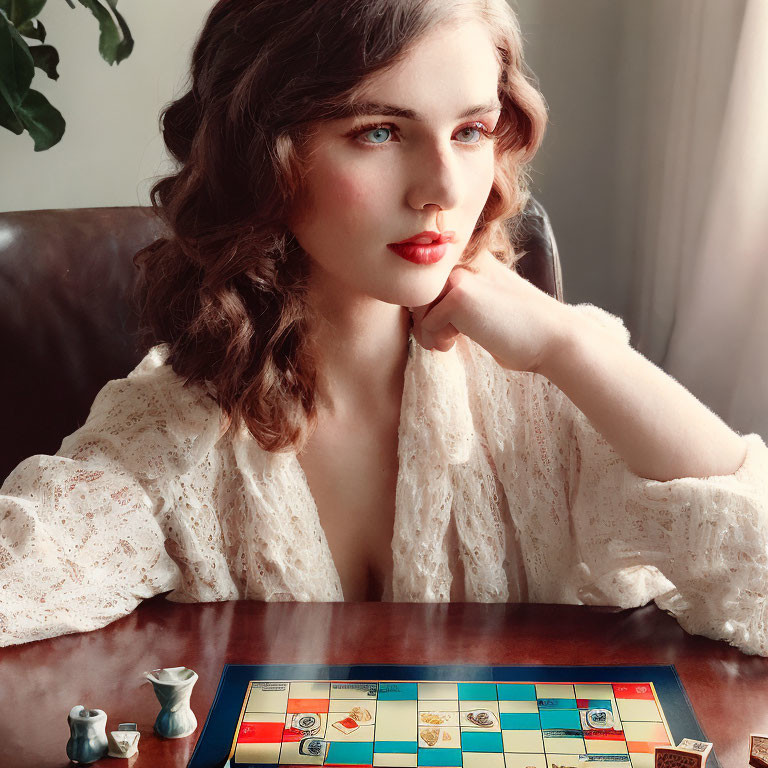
(505, 492)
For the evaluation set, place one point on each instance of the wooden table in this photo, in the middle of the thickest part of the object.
(40, 682)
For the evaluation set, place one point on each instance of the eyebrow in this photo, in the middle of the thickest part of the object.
(389, 110)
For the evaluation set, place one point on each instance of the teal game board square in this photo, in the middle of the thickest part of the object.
(472, 741)
(516, 692)
(447, 758)
(350, 753)
(560, 718)
(477, 692)
(520, 721)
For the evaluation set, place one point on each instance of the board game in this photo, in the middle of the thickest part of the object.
(452, 716)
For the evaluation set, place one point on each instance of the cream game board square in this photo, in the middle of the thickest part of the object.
(346, 705)
(522, 741)
(362, 733)
(396, 721)
(362, 690)
(605, 747)
(315, 689)
(531, 760)
(448, 738)
(258, 753)
(651, 732)
(267, 697)
(447, 705)
(642, 759)
(394, 760)
(448, 691)
(288, 723)
(519, 706)
(483, 760)
(264, 717)
(593, 691)
(468, 706)
(446, 718)
(638, 710)
(567, 760)
(565, 746)
(576, 761)
(554, 691)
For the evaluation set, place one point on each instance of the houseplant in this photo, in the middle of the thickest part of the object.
(21, 107)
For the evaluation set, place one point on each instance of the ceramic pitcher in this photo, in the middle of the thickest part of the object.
(173, 688)
(87, 735)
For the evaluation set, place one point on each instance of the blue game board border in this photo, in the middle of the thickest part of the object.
(215, 740)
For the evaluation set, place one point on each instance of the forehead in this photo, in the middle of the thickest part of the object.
(447, 70)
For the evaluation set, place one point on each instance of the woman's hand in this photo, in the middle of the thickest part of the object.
(520, 326)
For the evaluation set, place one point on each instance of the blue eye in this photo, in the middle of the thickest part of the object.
(470, 128)
(380, 130)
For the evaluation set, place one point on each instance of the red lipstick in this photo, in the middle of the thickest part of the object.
(425, 248)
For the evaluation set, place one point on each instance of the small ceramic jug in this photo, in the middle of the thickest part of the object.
(173, 687)
(87, 735)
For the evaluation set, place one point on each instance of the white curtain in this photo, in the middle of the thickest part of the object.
(699, 306)
(720, 340)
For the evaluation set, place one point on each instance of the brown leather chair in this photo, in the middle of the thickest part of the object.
(68, 316)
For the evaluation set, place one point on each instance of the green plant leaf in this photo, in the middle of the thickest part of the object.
(33, 29)
(114, 44)
(43, 121)
(46, 57)
(126, 46)
(16, 64)
(8, 119)
(21, 11)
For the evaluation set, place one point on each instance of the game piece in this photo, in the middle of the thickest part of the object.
(482, 718)
(307, 722)
(173, 688)
(314, 747)
(494, 717)
(758, 751)
(697, 746)
(87, 735)
(124, 742)
(347, 725)
(677, 757)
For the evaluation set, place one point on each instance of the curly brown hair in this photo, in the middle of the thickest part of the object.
(226, 288)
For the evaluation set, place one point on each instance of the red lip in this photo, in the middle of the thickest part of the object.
(436, 237)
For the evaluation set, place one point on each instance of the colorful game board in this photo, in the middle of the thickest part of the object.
(471, 717)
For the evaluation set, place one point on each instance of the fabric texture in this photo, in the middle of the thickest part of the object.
(505, 492)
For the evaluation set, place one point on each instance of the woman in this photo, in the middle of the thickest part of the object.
(330, 414)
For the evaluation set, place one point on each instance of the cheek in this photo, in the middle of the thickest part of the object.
(353, 197)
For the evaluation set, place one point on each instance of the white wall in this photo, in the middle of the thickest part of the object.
(592, 59)
(112, 147)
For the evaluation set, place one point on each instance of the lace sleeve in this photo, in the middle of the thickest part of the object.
(698, 546)
(80, 541)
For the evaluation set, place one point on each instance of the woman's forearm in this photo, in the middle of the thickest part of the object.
(659, 428)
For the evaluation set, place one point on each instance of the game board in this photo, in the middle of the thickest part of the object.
(457, 716)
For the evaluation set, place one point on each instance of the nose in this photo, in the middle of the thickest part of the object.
(434, 179)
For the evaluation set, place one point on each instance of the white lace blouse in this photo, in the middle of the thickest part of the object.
(505, 492)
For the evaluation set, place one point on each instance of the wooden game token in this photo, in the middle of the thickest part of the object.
(758, 751)
(675, 757)
(695, 745)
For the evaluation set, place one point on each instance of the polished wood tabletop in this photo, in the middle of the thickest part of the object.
(40, 682)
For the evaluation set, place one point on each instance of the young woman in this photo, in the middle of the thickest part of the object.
(327, 413)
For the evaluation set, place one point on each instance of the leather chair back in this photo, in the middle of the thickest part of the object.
(68, 317)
